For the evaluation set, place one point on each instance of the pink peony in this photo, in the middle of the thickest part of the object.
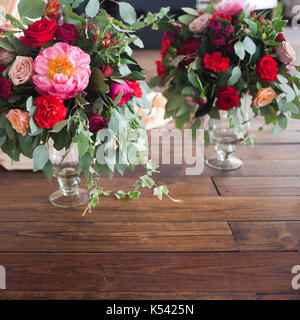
(116, 88)
(232, 7)
(286, 53)
(200, 24)
(62, 71)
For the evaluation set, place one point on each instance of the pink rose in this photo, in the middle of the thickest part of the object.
(116, 88)
(286, 53)
(6, 57)
(200, 23)
(19, 120)
(232, 7)
(21, 70)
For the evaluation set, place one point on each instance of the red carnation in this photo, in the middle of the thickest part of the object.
(227, 98)
(266, 69)
(50, 110)
(216, 62)
(161, 70)
(68, 33)
(188, 49)
(5, 88)
(96, 123)
(222, 16)
(136, 87)
(107, 70)
(39, 33)
(166, 44)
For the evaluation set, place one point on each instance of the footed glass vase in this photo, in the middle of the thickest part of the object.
(225, 139)
(65, 168)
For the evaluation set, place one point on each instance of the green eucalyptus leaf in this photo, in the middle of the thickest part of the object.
(40, 157)
(92, 8)
(235, 76)
(127, 12)
(32, 9)
(239, 49)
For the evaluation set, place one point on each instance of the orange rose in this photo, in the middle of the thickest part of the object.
(19, 120)
(264, 97)
(52, 7)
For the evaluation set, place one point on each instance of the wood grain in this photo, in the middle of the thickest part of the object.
(258, 186)
(267, 236)
(115, 236)
(147, 272)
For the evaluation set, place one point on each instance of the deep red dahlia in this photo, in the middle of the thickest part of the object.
(50, 110)
(39, 32)
(267, 69)
(216, 62)
(227, 98)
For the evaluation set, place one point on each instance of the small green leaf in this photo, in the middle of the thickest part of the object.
(239, 49)
(97, 81)
(40, 157)
(235, 76)
(249, 45)
(127, 13)
(282, 121)
(186, 19)
(190, 11)
(5, 44)
(59, 126)
(92, 8)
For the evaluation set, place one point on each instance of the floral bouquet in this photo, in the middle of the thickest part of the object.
(67, 78)
(211, 59)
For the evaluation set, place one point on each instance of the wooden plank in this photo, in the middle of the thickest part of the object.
(86, 295)
(263, 152)
(147, 209)
(267, 236)
(258, 186)
(279, 296)
(209, 272)
(115, 236)
(261, 168)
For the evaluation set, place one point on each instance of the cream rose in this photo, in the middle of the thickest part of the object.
(264, 97)
(19, 120)
(6, 57)
(21, 71)
(286, 53)
(200, 23)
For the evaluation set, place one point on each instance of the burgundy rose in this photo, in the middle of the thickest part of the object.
(280, 37)
(96, 123)
(218, 39)
(68, 33)
(5, 88)
(188, 49)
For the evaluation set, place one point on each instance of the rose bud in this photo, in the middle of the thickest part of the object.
(202, 101)
(247, 31)
(96, 123)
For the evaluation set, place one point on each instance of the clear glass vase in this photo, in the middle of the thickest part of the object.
(65, 168)
(225, 138)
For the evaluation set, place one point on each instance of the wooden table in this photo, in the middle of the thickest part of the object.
(236, 236)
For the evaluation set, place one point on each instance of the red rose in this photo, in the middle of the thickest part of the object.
(166, 44)
(5, 88)
(161, 70)
(96, 123)
(227, 98)
(50, 110)
(68, 33)
(216, 62)
(39, 33)
(136, 87)
(188, 49)
(107, 70)
(266, 69)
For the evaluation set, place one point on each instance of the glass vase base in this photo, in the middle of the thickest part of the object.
(231, 163)
(58, 199)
